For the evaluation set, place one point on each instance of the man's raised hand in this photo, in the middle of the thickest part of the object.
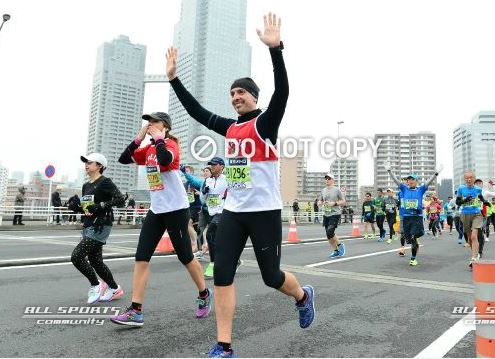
(271, 34)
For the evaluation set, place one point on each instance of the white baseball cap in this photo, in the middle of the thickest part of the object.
(329, 175)
(95, 157)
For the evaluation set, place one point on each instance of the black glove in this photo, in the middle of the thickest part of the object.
(206, 190)
(468, 199)
(96, 209)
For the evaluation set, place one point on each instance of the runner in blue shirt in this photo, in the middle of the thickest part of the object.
(412, 205)
(471, 199)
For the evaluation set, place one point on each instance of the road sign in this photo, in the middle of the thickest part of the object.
(343, 189)
(49, 171)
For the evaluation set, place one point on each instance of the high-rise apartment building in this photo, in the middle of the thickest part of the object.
(117, 105)
(474, 148)
(413, 153)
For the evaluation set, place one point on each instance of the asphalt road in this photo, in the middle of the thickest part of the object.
(370, 303)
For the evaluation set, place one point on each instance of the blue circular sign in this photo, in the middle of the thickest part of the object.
(49, 171)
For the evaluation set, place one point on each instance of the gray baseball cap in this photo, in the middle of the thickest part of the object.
(159, 116)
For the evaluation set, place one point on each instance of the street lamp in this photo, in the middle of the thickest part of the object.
(338, 160)
(6, 17)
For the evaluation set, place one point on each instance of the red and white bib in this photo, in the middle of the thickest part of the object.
(167, 192)
(252, 170)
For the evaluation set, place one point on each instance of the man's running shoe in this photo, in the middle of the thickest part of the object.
(307, 309)
(239, 263)
(466, 245)
(389, 240)
(199, 255)
(204, 305)
(217, 352)
(487, 239)
(94, 293)
(111, 294)
(209, 271)
(459, 241)
(372, 236)
(413, 262)
(365, 236)
(129, 317)
(334, 254)
(341, 249)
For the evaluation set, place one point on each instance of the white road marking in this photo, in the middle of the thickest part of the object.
(443, 344)
(70, 263)
(354, 257)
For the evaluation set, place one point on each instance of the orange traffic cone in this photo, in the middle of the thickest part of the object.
(293, 238)
(165, 245)
(355, 228)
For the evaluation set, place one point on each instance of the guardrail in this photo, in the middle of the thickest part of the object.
(134, 216)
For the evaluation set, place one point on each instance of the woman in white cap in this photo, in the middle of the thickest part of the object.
(169, 211)
(99, 195)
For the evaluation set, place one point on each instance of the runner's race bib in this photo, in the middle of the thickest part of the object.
(190, 197)
(238, 173)
(389, 207)
(213, 201)
(154, 178)
(328, 209)
(367, 208)
(87, 201)
(411, 203)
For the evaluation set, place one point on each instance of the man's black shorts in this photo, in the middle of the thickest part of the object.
(413, 226)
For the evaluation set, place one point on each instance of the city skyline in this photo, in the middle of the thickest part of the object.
(374, 79)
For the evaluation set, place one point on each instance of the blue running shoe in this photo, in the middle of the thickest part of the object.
(307, 310)
(459, 241)
(217, 352)
(129, 317)
(341, 249)
(334, 254)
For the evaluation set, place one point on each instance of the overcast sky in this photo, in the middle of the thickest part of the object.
(379, 66)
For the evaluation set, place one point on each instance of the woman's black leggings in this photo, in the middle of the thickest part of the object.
(265, 230)
(155, 225)
(391, 222)
(92, 249)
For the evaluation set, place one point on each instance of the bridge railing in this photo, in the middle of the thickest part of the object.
(134, 216)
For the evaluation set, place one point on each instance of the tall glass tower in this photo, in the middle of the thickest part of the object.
(213, 52)
(117, 105)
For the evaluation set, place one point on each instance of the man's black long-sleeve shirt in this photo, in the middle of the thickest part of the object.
(268, 122)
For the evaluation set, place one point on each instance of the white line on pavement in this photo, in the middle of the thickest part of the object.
(70, 263)
(354, 257)
(448, 340)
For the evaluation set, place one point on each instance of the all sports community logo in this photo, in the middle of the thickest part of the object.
(70, 315)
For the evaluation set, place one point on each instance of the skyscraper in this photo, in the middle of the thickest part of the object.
(117, 105)
(213, 52)
(474, 148)
(413, 153)
(445, 189)
(346, 175)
